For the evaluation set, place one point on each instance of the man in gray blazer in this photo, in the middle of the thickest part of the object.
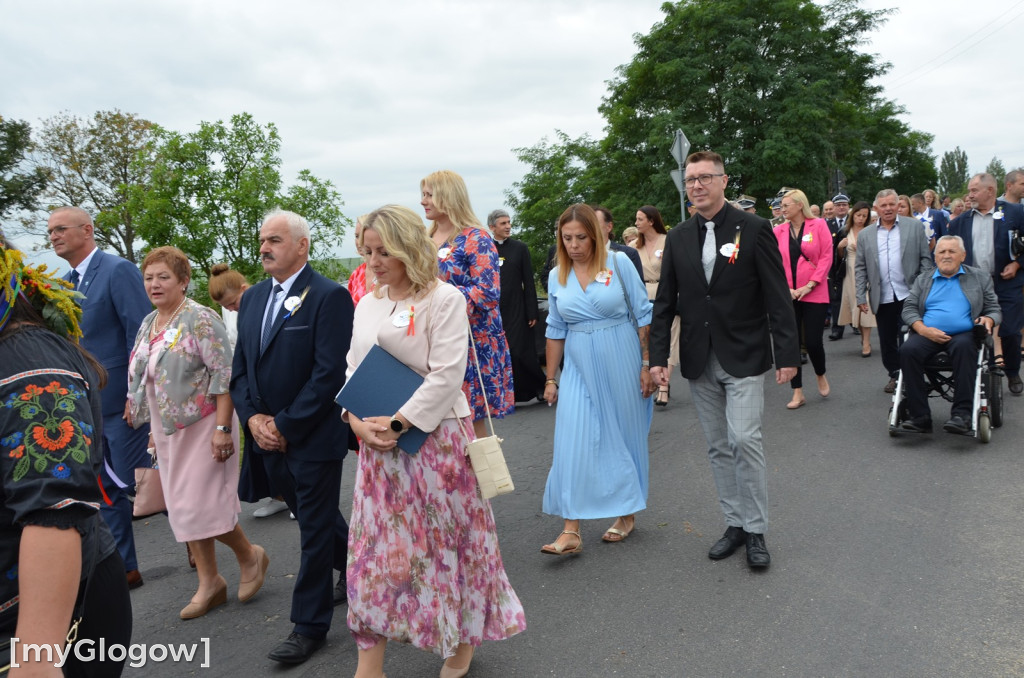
(942, 310)
(889, 259)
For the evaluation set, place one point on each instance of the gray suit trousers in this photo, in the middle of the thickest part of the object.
(730, 411)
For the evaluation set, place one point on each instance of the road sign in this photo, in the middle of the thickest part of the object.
(677, 176)
(680, 148)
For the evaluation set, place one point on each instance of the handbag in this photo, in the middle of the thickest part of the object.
(149, 493)
(485, 454)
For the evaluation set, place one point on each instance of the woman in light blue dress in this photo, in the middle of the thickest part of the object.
(597, 311)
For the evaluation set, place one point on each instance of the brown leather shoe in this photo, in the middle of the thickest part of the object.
(134, 578)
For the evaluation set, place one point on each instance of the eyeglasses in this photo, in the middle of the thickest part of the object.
(61, 230)
(704, 179)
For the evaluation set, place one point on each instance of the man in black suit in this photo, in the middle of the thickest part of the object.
(293, 334)
(840, 208)
(722, 274)
(518, 307)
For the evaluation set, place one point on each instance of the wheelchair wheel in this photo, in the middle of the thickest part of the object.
(984, 428)
(995, 399)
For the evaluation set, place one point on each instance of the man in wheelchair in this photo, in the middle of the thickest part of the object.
(941, 311)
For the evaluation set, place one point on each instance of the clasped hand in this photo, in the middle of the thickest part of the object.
(264, 431)
(375, 432)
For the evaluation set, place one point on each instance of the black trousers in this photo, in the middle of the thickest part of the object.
(107, 614)
(963, 354)
(810, 321)
(835, 301)
(890, 319)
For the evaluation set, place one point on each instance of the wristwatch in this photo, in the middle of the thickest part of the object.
(224, 429)
(397, 426)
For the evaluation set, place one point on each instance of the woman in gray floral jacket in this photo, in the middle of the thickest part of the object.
(178, 381)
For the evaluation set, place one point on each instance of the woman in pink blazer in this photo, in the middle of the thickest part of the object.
(806, 246)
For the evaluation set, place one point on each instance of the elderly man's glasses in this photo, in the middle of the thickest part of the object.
(703, 179)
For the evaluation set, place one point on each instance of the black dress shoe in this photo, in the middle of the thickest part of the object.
(956, 424)
(341, 590)
(727, 545)
(803, 358)
(757, 552)
(1015, 385)
(296, 648)
(856, 330)
(917, 425)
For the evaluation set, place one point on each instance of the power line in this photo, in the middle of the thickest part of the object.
(907, 77)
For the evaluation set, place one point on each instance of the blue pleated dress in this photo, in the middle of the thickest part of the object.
(600, 463)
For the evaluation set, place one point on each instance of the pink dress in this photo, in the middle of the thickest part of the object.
(201, 494)
(424, 565)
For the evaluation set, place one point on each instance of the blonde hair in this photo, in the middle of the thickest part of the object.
(586, 217)
(798, 196)
(360, 225)
(404, 238)
(451, 198)
(223, 281)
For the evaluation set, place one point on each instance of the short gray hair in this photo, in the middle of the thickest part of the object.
(493, 217)
(986, 179)
(885, 193)
(297, 224)
(958, 239)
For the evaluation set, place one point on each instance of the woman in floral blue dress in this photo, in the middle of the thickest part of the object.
(468, 260)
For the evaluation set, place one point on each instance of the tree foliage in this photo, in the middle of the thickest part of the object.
(998, 170)
(780, 88)
(20, 184)
(559, 176)
(953, 172)
(211, 189)
(96, 164)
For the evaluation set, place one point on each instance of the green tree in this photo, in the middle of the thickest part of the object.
(998, 170)
(212, 187)
(559, 176)
(19, 184)
(97, 164)
(953, 172)
(780, 88)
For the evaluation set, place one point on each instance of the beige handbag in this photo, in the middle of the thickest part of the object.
(485, 454)
(149, 492)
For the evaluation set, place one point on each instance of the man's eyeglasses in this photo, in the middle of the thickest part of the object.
(704, 179)
(61, 230)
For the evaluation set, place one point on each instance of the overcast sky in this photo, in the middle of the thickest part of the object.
(375, 95)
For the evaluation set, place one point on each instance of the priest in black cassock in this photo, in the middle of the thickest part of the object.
(518, 307)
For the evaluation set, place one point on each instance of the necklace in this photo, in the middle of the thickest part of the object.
(156, 329)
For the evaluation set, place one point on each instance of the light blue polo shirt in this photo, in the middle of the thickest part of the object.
(947, 307)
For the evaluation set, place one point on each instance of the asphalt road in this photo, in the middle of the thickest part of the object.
(891, 557)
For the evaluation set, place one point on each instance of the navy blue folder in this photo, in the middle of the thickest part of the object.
(380, 385)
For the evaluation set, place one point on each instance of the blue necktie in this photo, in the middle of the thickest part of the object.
(75, 278)
(268, 322)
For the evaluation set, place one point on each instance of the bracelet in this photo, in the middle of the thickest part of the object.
(551, 381)
(645, 363)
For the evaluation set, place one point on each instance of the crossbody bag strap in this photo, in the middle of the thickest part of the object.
(625, 295)
(480, 377)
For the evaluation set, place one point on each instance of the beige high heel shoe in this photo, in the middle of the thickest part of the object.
(219, 597)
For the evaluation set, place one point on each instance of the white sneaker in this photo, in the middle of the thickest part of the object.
(291, 515)
(272, 507)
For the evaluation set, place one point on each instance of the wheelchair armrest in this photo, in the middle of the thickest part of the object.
(981, 337)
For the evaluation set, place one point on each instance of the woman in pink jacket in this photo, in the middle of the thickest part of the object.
(806, 246)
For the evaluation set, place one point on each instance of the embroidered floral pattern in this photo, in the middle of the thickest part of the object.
(53, 436)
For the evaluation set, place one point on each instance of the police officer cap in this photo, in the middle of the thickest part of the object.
(777, 203)
(840, 198)
(746, 202)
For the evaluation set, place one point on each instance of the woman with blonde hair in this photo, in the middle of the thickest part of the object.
(806, 247)
(357, 283)
(599, 320)
(178, 376)
(630, 236)
(468, 260)
(904, 208)
(424, 565)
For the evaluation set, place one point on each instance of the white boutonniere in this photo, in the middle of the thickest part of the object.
(444, 252)
(997, 215)
(171, 337)
(293, 304)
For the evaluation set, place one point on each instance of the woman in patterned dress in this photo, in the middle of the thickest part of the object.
(178, 376)
(423, 562)
(358, 285)
(468, 260)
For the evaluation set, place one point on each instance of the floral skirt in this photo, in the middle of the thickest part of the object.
(423, 561)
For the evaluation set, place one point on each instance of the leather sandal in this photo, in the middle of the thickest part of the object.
(555, 549)
(614, 534)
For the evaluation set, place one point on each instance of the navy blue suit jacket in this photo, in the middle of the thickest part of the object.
(1013, 220)
(300, 371)
(114, 306)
